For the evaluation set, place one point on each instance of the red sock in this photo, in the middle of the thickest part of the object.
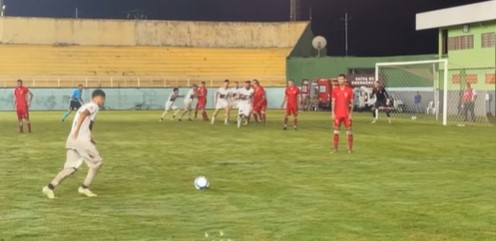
(336, 141)
(295, 121)
(286, 121)
(205, 116)
(350, 142)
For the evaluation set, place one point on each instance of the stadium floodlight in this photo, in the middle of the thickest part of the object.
(319, 43)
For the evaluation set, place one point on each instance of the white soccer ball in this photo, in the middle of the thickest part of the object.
(201, 183)
(414, 117)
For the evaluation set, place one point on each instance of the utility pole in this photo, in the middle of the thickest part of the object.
(292, 10)
(346, 20)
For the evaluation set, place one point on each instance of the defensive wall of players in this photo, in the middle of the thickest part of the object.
(119, 98)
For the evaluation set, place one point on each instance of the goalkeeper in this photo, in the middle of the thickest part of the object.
(382, 99)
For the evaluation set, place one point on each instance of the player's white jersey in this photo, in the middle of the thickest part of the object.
(245, 95)
(190, 95)
(84, 132)
(223, 93)
(172, 97)
(234, 92)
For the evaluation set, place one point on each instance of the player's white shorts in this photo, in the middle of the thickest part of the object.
(244, 109)
(187, 104)
(234, 104)
(221, 104)
(170, 105)
(82, 151)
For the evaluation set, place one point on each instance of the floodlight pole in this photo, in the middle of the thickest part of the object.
(2, 8)
(346, 20)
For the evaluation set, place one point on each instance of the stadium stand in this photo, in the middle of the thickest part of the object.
(142, 55)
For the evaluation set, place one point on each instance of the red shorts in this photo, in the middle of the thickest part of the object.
(201, 105)
(292, 110)
(22, 113)
(343, 120)
(260, 108)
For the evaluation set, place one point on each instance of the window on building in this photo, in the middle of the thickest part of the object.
(488, 40)
(445, 42)
(461, 42)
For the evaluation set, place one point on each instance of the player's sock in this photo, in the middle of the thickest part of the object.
(66, 114)
(374, 114)
(175, 114)
(163, 115)
(213, 120)
(205, 116)
(21, 127)
(255, 116)
(92, 171)
(226, 121)
(285, 121)
(295, 122)
(29, 127)
(66, 172)
(350, 142)
(264, 117)
(239, 121)
(335, 141)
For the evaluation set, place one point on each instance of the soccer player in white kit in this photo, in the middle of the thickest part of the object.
(81, 147)
(188, 102)
(169, 104)
(245, 100)
(222, 102)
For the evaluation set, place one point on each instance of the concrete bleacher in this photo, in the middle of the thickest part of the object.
(49, 52)
(50, 66)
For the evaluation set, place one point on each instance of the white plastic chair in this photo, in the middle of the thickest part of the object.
(431, 108)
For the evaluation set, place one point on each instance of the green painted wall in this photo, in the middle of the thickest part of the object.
(467, 64)
(477, 57)
(330, 67)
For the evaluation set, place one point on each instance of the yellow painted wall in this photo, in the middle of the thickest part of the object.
(17, 30)
(176, 63)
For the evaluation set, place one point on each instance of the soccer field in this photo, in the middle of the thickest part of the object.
(411, 180)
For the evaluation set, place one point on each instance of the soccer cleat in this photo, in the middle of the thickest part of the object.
(174, 117)
(285, 128)
(48, 192)
(374, 121)
(86, 192)
(161, 119)
(295, 128)
(189, 119)
(350, 151)
(334, 151)
(179, 119)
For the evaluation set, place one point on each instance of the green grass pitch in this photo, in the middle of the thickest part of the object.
(405, 181)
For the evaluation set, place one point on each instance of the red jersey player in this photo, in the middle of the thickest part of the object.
(259, 102)
(21, 104)
(342, 108)
(202, 101)
(291, 98)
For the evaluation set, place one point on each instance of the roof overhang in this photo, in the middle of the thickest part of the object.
(466, 14)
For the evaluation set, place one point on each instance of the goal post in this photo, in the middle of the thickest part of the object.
(415, 88)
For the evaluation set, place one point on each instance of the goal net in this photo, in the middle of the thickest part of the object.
(429, 90)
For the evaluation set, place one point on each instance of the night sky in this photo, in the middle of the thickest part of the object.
(377, 27)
